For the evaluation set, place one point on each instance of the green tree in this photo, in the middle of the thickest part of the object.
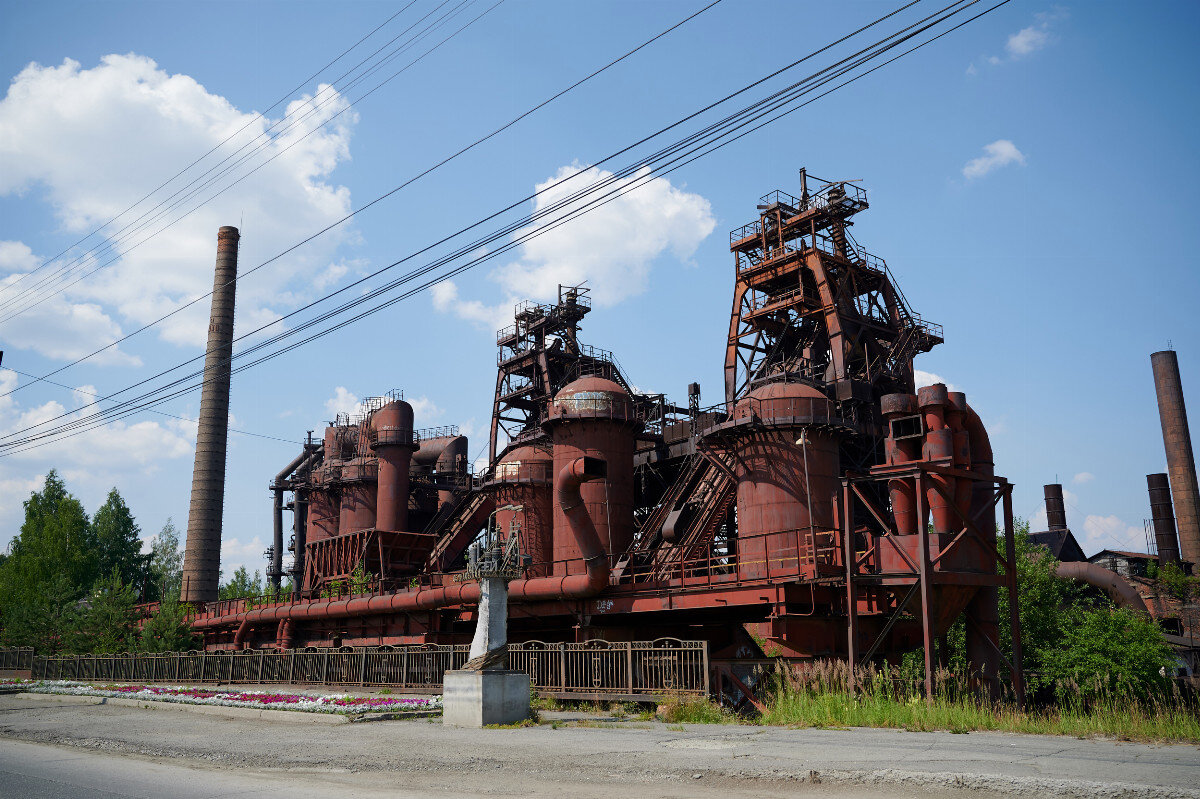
(1105, 650)
(168, 630)
(241, 585)
(53, 559)
(107, 623)
(166, 561)
(119, 543)
(45, 618)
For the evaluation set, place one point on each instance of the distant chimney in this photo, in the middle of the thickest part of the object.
(1056, 513)
(1181, 463)
(202, 553)
(1164, 518)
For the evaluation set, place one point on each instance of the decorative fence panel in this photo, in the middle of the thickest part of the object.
(590, 670)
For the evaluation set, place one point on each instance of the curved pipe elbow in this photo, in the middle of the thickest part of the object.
(1114, 585)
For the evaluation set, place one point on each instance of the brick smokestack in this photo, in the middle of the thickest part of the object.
(1181, 463)
(202, 553)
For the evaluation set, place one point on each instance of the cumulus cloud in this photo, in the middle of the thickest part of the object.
(1111, 532)
(1083, 478)
(426, 412)
(94, 140)
(1001, 152)
(15, 256)
(236, 553)
(342, 401)
(924, 378)
(1028, 40)
(612, 248)
(95, 455)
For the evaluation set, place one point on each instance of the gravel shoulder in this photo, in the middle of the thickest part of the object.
(636, 758)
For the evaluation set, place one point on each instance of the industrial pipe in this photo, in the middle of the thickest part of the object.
(983, 635)
(239, 638)
(1108, 581)
(275, 568)
(1164, 518)
(939, 445)
(392, 440)
(202, 552)
(902, 490)
(575, 586)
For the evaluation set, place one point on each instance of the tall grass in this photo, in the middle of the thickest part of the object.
(818, 694)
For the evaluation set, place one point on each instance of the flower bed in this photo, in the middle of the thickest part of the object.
(335, 703)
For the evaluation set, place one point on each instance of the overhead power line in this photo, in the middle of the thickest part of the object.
(701, 143)
(381, 197)
(35, 295)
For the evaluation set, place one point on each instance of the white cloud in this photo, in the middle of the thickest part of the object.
(1083, 478)
(96, 139)
(997, 154)
(89, 457)
(15, 256)
(923, 378)
(425, 412)
(612, 247)
(342, 401)
(1110, 532)
(236, 553)
(1028, 40)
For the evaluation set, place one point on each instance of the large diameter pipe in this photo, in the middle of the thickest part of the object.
(278, 486)
(575, 586)
(202, 552)
(1056, 511)
(1165, 537)
(983, 635)
(1108, 581)
(1181, 462)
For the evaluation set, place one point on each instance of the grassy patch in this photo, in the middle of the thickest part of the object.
(693, 710)
(818, 695)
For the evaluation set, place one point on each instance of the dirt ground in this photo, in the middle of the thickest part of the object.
(576, 756)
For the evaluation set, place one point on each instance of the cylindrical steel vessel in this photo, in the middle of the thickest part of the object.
(524, 494)
(202, 552)
(392, 440)
(1161, 512)
(595, 417)
(1056, 512)
(903, 445)
(787, 468)
(358, 483)
(323, 501)
(939, 445)
(1181, 462)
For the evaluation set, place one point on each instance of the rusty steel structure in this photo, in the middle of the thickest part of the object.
(1181, 462)
(202, 552)
(824, 508)
(1163, 516)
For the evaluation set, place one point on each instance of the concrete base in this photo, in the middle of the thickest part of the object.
(479, 698)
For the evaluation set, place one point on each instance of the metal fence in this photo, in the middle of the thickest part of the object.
(590, 670)
(20, 658)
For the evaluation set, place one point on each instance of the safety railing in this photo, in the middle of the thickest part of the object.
(592, 669)
(18, 658)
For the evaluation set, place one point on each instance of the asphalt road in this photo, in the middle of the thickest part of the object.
(80, 750)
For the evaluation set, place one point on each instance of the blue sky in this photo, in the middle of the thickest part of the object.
(1033, 183)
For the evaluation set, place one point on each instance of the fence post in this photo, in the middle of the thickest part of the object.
(203, 661)
(325, 669)
(404, 669)
(629, 667)
(704, 651)
(562, 667)
(261, 656)
(291, 664)
(362, 668)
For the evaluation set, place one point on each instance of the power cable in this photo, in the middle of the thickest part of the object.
(380, 198)
(575, 212)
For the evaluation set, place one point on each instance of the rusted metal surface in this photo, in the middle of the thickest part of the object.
(202, 550)
(825, 505)
(393, 444)
(1163, 516)
(595, 418)
(1056, 511)
(636, 669)
(1111, 583)
(1181, 462)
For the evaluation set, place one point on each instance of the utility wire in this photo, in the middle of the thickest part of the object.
(380, 198)
(172, 202)
(216, 147)
(625, 189)
(426, 269)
